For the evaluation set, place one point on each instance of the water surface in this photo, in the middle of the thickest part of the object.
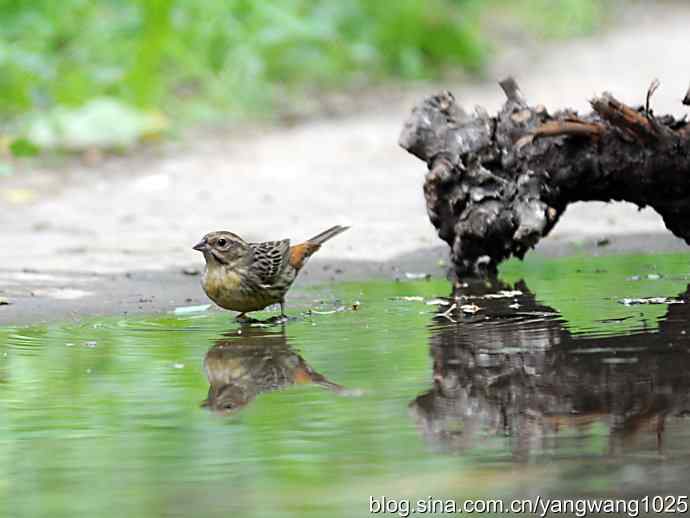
(553, 387)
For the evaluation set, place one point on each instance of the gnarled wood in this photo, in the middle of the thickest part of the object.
(497, 184)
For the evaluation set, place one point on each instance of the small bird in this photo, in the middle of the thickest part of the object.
(244, 277)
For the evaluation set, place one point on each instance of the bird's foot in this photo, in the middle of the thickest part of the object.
(272, 321)
(280, 319)
(243, 319)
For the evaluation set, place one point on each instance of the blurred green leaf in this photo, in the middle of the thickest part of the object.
(23, 147)
(211, 58)
(101, 123)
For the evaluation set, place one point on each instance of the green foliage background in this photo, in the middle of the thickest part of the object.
(207, 57)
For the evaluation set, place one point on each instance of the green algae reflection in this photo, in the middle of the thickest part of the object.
(106, 417)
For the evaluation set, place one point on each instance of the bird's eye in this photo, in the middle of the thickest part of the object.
(222, 242)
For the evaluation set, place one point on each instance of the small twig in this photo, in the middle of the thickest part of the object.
(624, 116)
(686, 99)
(512, 91)
(659, 129)
(639, 124)
(575, 128)
(650, 91)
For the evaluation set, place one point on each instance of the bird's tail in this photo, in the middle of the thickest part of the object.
(324, 236)
(300, 253)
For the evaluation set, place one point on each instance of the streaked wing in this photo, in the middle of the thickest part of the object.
(270, 258)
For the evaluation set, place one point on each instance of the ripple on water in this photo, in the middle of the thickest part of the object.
(551, 378)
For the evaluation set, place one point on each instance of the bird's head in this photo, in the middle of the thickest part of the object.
(222, 247)
(227, 399)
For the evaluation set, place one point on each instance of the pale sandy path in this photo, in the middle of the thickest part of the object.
(145, 213)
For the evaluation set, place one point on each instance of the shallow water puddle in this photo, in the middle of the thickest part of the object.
(551, 387)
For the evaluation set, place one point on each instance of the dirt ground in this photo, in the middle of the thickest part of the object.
(113, 236)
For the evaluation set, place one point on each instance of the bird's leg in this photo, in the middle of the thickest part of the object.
(283, 318)
(245, 320)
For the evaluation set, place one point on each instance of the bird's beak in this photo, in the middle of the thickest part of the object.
(201, 246)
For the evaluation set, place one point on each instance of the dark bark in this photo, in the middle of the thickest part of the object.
(498, 184)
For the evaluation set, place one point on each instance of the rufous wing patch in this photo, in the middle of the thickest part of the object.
(300, 253)
(302, 376)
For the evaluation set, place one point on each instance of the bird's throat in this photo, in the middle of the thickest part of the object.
(219, 257)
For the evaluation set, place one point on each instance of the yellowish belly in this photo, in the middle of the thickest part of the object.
(224, 287)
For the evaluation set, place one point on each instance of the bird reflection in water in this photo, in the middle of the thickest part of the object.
(251, 361)
(521, 374)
